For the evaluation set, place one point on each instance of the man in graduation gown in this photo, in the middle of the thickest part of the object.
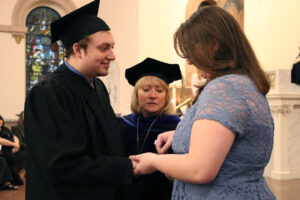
(75, 147)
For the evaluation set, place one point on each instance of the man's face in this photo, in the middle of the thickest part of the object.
(98, 54)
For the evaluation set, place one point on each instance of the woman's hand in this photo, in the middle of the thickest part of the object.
(164, 142)
(143, 163)
(16, 146)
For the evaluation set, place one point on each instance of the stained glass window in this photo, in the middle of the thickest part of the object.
(42, 57)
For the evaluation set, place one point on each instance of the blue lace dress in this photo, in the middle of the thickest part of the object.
(235, 102)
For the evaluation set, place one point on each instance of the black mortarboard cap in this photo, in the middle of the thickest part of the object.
(151, 67)
(76, 25)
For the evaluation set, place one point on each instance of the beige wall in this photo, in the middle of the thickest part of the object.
(272, 27)
(158, 20)
(145, 28)
(12, 67)
(6, 8)
(12, 76)
(122, 17)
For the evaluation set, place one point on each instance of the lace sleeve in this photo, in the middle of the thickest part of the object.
(221, 101)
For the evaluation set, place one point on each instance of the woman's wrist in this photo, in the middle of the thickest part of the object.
(154, 161)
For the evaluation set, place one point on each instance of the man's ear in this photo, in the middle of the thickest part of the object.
(77, 50)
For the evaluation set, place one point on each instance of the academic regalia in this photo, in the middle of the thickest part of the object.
(74, 142)
(140, 132)
(152, 67)
(154, 186)
(162, 124)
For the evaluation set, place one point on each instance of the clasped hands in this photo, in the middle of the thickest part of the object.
(145, 163)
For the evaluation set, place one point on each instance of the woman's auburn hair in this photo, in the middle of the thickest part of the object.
(213, 41)
(168, 108)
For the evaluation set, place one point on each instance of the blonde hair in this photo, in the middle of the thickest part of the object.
(168, 108)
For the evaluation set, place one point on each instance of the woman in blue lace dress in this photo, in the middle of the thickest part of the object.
(225, 140)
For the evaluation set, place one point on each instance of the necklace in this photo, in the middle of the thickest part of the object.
(138, 136)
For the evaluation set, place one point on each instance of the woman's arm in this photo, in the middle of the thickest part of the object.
(209, 145)
(6, 142)
(17, 144)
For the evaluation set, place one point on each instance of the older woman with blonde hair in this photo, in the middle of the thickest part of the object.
(167, 109)
(152, 113)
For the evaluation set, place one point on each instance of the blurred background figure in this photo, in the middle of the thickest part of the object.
(18, 131)
(5, 176)
(12, 152)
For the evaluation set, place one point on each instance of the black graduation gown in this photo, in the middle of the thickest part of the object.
(74, 143)
(153, 186)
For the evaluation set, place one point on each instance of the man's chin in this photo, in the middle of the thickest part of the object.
(102, 74)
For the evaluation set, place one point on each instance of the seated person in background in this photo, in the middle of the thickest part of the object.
(5, 176)
(18, 131)
(11, 151)
(153, 113)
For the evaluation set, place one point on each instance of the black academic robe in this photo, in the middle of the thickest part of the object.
(153, 186)
(74, 143)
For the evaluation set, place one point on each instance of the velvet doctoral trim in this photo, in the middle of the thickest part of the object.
(162, 124)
